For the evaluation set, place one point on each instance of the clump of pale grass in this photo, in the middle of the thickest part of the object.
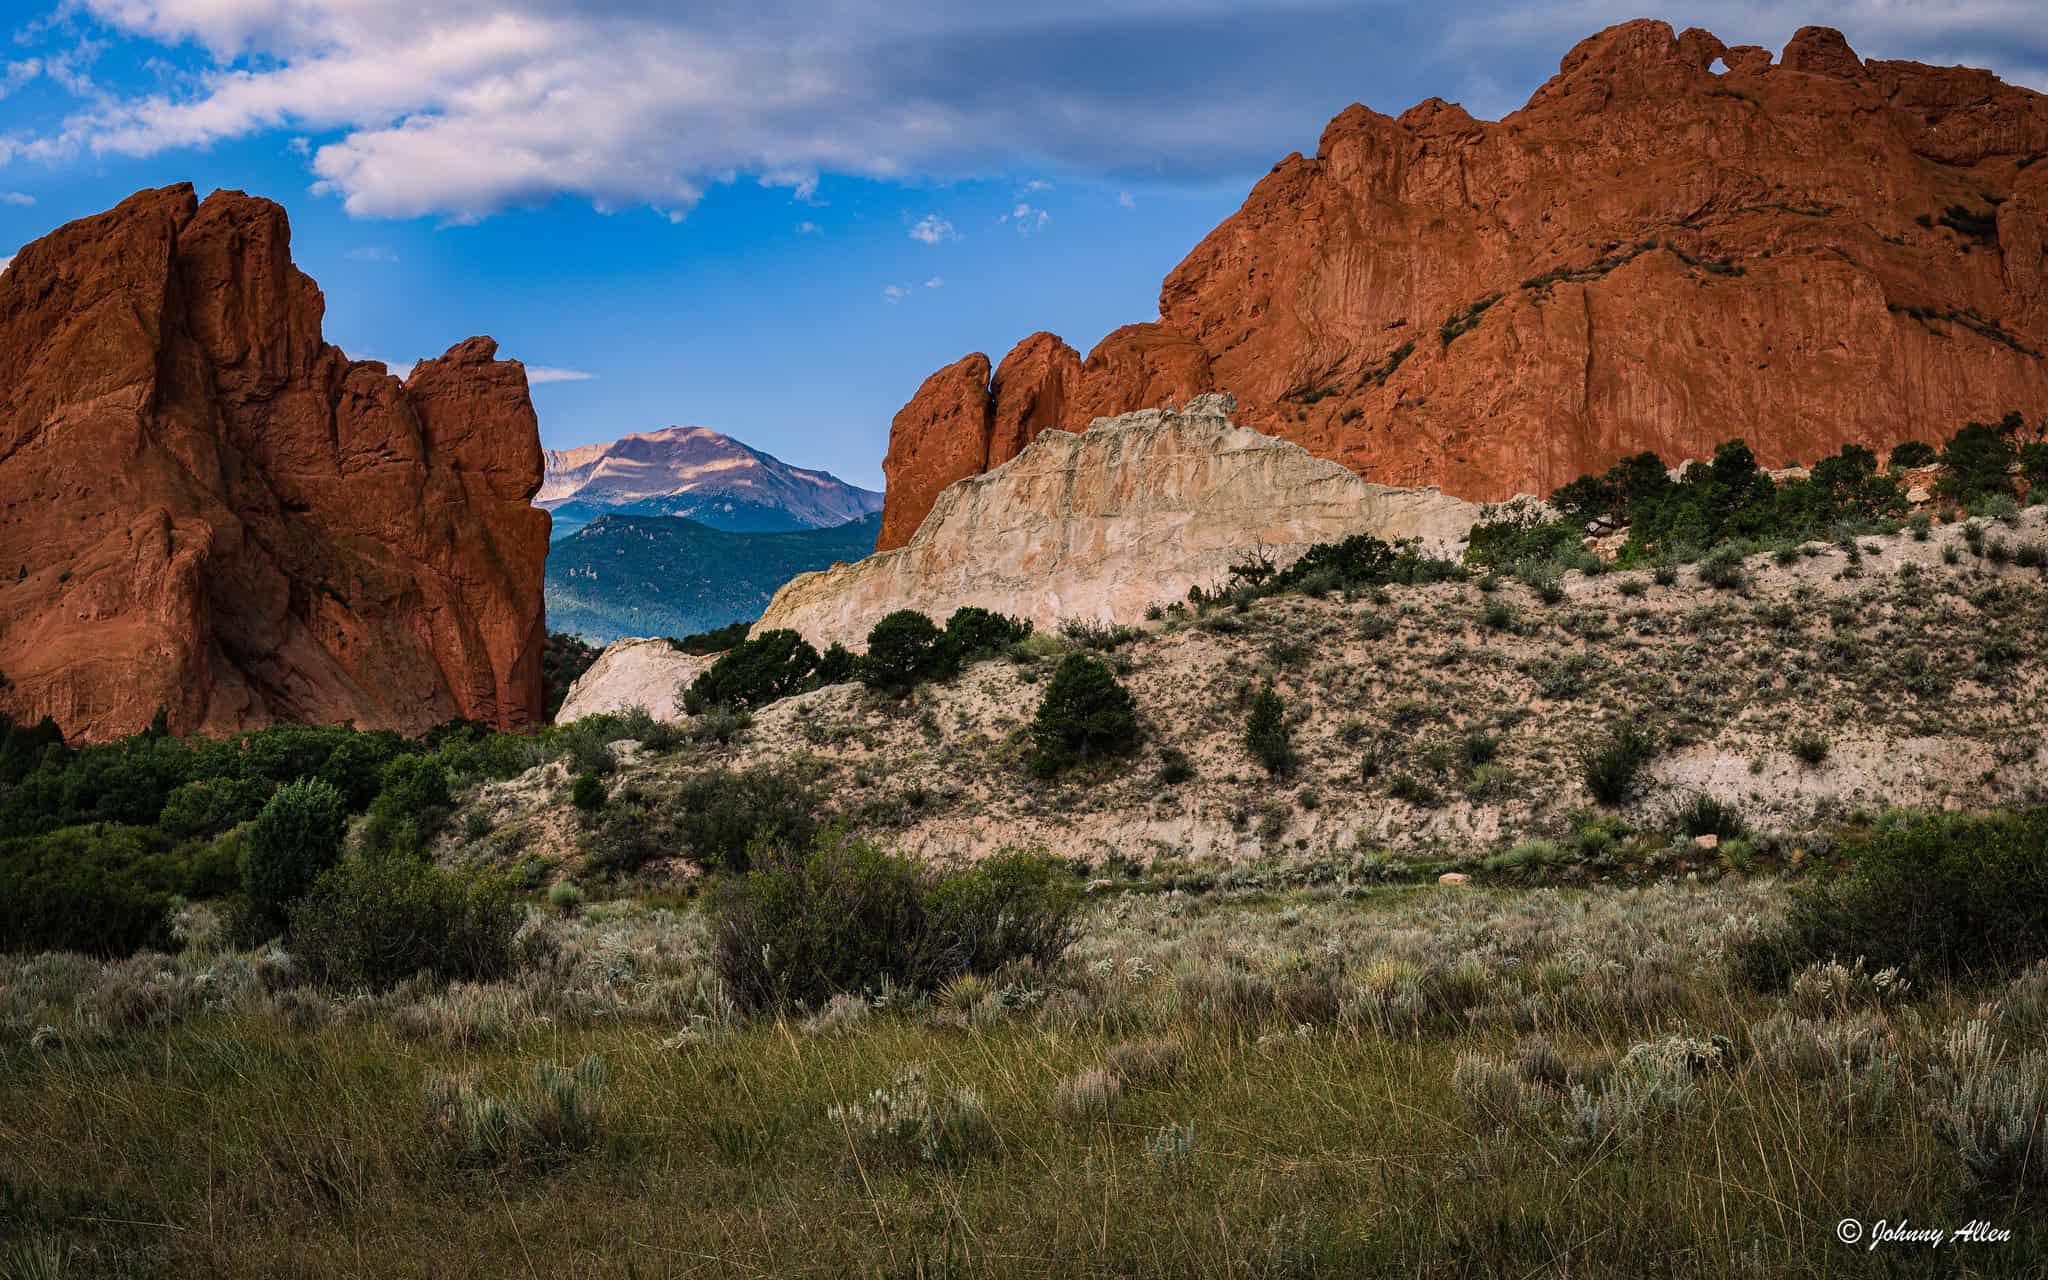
(1991, 1105)
(1831, 987)
(561, 1111)
(1170, 1150)
(1145, 1062)
(1088, 1096)
(842, 1015)
(909, 1122)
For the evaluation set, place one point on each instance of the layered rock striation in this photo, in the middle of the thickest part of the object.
(206, 509)
(1100, 524)
(1673, 243)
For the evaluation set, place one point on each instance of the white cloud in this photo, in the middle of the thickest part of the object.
(894, 293)
(1036, 185)
(372, 253)
(540, 374)
(1026, 218)
(13, 75)
(808, 228)
(936, 282)
(18, 199)
(461, 108)
(932, 229)
(6, 263)
(1124, 198)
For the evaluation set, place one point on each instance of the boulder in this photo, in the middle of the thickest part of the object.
(644, 673)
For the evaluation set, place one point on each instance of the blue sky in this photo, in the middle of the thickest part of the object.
(773, 217)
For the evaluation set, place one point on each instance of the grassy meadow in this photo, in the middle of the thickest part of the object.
(1268, 1081)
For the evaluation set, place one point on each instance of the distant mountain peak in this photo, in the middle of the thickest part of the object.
(699, 473)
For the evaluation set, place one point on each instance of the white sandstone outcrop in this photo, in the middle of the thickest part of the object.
(1099, 525)
(632, 673)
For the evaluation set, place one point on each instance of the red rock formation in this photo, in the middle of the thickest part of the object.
(209, 510)
(1652, 254)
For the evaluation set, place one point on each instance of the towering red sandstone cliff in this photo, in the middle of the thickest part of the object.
(205, 508)
(1674, 242)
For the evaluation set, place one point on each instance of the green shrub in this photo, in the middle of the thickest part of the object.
(1610, 769)
(562, 660)
(1085, 714)
(754, 673)
(212, 805)
(1912, 453)
(1977, 459)
(375, 922)
(978, 633)
(705, 643)
(412, 805)
(1267, 734)
(1723, 570)
(844, 916)
(356, 766)
(103, 891)
(721, 816)
(294, 839)
(1810, 748)
(1511, 534)
(836, 665)
(587, 792)
(1412, 790)
(1174, 767)
(1703, 815)
(1943, 896)
(904, 650)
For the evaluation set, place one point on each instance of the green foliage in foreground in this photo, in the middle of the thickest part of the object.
(103, 890)
(843, 916)
(1307, 1085)
(1939, 896)
(371, 923)
(296, 837)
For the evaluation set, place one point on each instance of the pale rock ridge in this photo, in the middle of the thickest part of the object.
(1100, 524)
(632, 673)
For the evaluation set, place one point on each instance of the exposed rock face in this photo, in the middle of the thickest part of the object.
(700, 474)
(1098, 525)
(633, 673)
(1650, 255)
(211, 511)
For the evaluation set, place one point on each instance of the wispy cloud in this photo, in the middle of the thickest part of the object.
(932, 229)
(894, 293)
(19, 199)
(540, 374)
(1027, 218)
(808, 228)
(1124, 198)
(461, 108)
(372, 253)
(936, 282)
(6, 262)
